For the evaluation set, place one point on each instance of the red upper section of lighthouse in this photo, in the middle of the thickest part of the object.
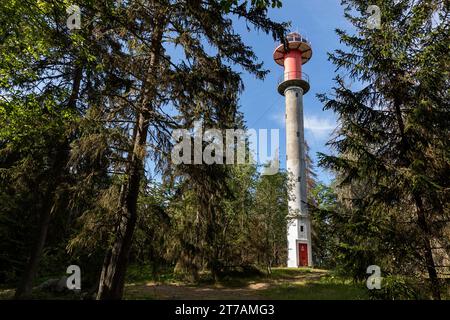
(292, 64)
(292, 56)
(296, 53)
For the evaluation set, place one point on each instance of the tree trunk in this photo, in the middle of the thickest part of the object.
(26, 283)
(421, 218)
(61, 158)
(427, 252)
(112, 278)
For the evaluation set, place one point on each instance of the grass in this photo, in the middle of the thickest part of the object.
(6, 294)
(281, 284)
(304, 284)
(276, 274)
(141, 274)
(325, 288)
(292, 272)
(136, 295)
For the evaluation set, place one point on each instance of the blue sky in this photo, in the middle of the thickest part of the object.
(260, 102)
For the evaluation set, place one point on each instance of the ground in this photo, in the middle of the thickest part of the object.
(298, 284)
(283, 283)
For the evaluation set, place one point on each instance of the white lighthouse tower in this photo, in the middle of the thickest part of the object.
(293, 86)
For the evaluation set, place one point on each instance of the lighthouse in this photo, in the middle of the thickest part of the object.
(293, 85)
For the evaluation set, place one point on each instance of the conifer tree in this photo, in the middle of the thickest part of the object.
(155, 25)
(394, 132)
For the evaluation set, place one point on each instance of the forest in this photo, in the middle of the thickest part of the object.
(86, 122)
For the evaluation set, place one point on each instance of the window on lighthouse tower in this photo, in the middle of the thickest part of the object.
(302, 230)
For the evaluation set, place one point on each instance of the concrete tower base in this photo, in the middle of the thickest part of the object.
(299, 229)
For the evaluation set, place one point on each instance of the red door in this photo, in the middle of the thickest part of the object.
(303, 254)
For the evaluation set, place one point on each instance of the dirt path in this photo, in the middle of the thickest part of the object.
(251, 291)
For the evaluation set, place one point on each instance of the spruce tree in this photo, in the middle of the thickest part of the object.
(161, 79)
(393, 140)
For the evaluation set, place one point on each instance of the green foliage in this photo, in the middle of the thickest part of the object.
(324, 227)
(326, 288)
(258, 4)
(71, 167)
(268, 230)
(398, 288)
(392, 185)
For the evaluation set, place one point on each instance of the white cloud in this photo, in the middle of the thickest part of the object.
(318, 127)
